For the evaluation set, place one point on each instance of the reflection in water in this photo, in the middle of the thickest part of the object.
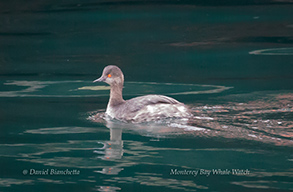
(112, 149)
(108, 189)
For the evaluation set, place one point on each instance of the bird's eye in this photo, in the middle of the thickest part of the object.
(109, 75)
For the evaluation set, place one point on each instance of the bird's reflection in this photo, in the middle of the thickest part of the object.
(112, 149)
(108, 188)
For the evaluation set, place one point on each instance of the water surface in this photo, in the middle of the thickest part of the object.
(230, 62)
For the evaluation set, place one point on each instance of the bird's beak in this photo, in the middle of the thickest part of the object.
(101, 79)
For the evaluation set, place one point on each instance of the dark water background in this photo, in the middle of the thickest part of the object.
(230, 61)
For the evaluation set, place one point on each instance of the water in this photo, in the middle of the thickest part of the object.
(231, 63)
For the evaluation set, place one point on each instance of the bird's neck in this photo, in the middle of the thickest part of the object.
(116, 95)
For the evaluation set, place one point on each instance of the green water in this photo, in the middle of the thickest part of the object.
(231, 63)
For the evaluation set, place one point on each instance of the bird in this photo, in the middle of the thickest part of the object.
(139, 109)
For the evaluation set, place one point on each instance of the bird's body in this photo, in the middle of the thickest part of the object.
(139, 109)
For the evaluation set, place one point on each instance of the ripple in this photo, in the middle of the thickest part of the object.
(265, 184)
(7, 182)
(265, 118)
(274, 51)
(86, 89)
(63, 130)
(183, 185)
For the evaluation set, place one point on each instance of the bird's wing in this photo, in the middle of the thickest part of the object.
(138, 103)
